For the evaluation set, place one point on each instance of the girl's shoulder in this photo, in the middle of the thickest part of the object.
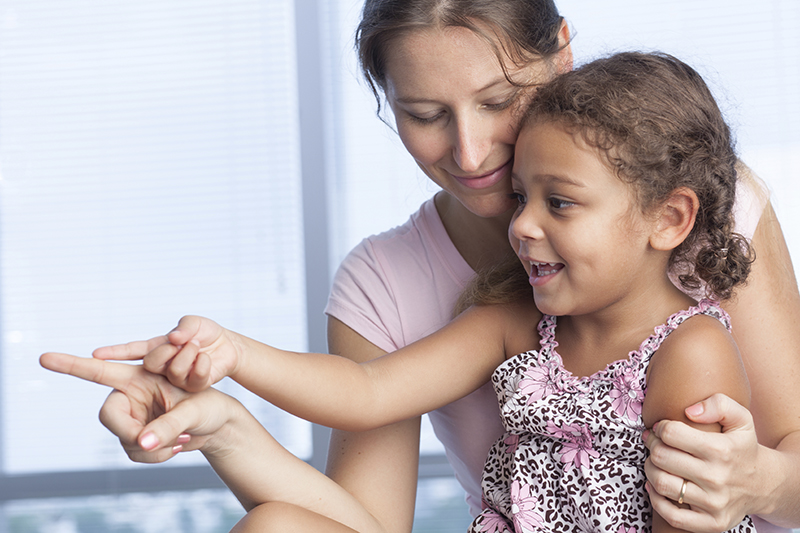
(520, 321)
(698, 359)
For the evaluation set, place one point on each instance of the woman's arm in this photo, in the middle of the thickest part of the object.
(738, 473)
(378, 467)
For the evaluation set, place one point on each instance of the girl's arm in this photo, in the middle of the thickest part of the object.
(749, 468)
(698, 359)
(337, 391)
(340, 393)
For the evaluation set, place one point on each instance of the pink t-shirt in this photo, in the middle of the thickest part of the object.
(399, 286)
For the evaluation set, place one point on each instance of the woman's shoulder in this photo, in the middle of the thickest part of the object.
(400, 285)
(752, 196)
(421, 240)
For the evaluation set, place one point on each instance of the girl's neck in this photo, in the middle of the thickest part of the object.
(482, 242)
(588, 343)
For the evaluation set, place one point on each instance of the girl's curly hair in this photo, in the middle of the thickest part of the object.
(657, 124)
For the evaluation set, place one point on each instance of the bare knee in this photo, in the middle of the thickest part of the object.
(286, 518)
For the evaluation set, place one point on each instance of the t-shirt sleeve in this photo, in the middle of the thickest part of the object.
(752, 196)
(361, 297)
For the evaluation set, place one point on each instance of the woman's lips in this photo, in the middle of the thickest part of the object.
(485, 180)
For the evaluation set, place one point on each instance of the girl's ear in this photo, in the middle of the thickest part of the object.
(675, 220)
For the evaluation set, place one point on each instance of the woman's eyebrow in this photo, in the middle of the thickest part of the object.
(412, 100)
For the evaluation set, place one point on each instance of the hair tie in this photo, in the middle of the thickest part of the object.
(722, 253)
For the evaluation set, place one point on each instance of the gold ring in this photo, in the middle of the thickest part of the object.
(683, 492)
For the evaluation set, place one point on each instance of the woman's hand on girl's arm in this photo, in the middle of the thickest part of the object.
(193, 356)
(152, 418)
(758, 469)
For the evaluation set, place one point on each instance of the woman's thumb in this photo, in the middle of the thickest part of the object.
(722, 410)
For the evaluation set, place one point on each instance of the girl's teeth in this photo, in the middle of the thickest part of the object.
(545, 269)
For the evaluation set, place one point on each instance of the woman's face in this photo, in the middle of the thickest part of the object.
(456, 112)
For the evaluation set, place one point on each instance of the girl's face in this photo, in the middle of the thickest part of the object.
(577, 229)
(456, 112)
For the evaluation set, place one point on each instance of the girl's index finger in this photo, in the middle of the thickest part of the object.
(114, 375)
(131, 351)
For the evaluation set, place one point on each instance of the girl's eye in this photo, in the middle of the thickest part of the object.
(520, 199)
(558, 203)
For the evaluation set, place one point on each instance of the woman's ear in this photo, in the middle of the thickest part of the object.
(564, 57)
(675, 219)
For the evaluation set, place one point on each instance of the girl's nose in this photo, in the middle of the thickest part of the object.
(525, 225)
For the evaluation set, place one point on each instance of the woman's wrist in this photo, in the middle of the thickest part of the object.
(777, 483)
(230, 423)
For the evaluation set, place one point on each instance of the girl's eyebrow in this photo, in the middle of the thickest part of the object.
(566, 181)
(563, 180)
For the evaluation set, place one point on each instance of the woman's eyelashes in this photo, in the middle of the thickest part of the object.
(427, 118)
(505, 104)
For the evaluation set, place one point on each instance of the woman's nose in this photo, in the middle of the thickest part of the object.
(472, 145)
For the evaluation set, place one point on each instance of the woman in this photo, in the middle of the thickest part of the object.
(454, 75)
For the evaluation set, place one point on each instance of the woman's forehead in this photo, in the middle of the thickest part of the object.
(432, 62)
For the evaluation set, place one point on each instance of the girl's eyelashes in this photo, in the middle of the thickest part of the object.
(559, 203)
(519, 198)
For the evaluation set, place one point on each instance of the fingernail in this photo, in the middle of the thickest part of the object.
(695, 410)
(177, 449)
(647, 486)
(183, 438)
(645, 434)
(148, 441)
(195, 342)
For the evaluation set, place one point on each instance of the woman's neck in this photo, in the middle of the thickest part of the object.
(482, 242)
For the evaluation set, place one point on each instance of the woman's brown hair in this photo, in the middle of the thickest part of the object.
(519, 31)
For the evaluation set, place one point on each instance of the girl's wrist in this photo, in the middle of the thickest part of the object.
(241, 351)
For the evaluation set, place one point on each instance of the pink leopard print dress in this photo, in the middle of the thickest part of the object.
(572, 458)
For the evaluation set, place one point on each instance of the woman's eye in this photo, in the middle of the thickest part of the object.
(425, 120)
(499, 106)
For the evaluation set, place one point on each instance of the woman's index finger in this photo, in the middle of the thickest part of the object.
(114, 375)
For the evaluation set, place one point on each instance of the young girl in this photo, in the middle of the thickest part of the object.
(624, 173)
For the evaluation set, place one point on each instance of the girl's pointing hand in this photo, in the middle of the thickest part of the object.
(193, 356)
